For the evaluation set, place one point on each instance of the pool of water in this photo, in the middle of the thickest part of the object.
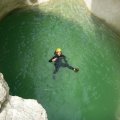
(28, 39)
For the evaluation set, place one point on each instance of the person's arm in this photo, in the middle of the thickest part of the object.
(53, 59)
(50, 60)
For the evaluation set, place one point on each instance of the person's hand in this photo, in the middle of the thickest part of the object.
(53, 60)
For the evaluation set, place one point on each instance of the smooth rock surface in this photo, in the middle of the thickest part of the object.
(107, 10)
(7, 6)
(16, 108)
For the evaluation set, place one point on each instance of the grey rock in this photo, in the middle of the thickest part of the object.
(7, 6)
(17, 108)
(4, 90)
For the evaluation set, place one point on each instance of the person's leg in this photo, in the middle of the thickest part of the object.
(70, 67)
(56, 69)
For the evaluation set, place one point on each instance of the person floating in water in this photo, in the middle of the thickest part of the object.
(60, 61)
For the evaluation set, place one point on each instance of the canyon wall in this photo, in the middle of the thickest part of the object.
(107, 10)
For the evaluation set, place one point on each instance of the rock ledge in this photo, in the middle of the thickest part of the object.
(17, 108)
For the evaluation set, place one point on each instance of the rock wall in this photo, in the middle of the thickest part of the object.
(107, 10)
(7, 6)
(16, 108)
(4, 91)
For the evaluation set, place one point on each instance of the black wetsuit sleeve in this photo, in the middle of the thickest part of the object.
(51, 59)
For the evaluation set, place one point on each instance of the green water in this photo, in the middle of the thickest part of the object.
(28, 39)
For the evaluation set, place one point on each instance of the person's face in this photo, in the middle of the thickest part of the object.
(58, 53)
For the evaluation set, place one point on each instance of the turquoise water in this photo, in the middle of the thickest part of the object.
(28, 40)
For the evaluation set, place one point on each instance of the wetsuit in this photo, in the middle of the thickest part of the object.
(60, 62)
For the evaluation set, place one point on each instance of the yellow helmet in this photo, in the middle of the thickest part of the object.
(58, 50)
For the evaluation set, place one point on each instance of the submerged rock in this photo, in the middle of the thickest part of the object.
(17, 108)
